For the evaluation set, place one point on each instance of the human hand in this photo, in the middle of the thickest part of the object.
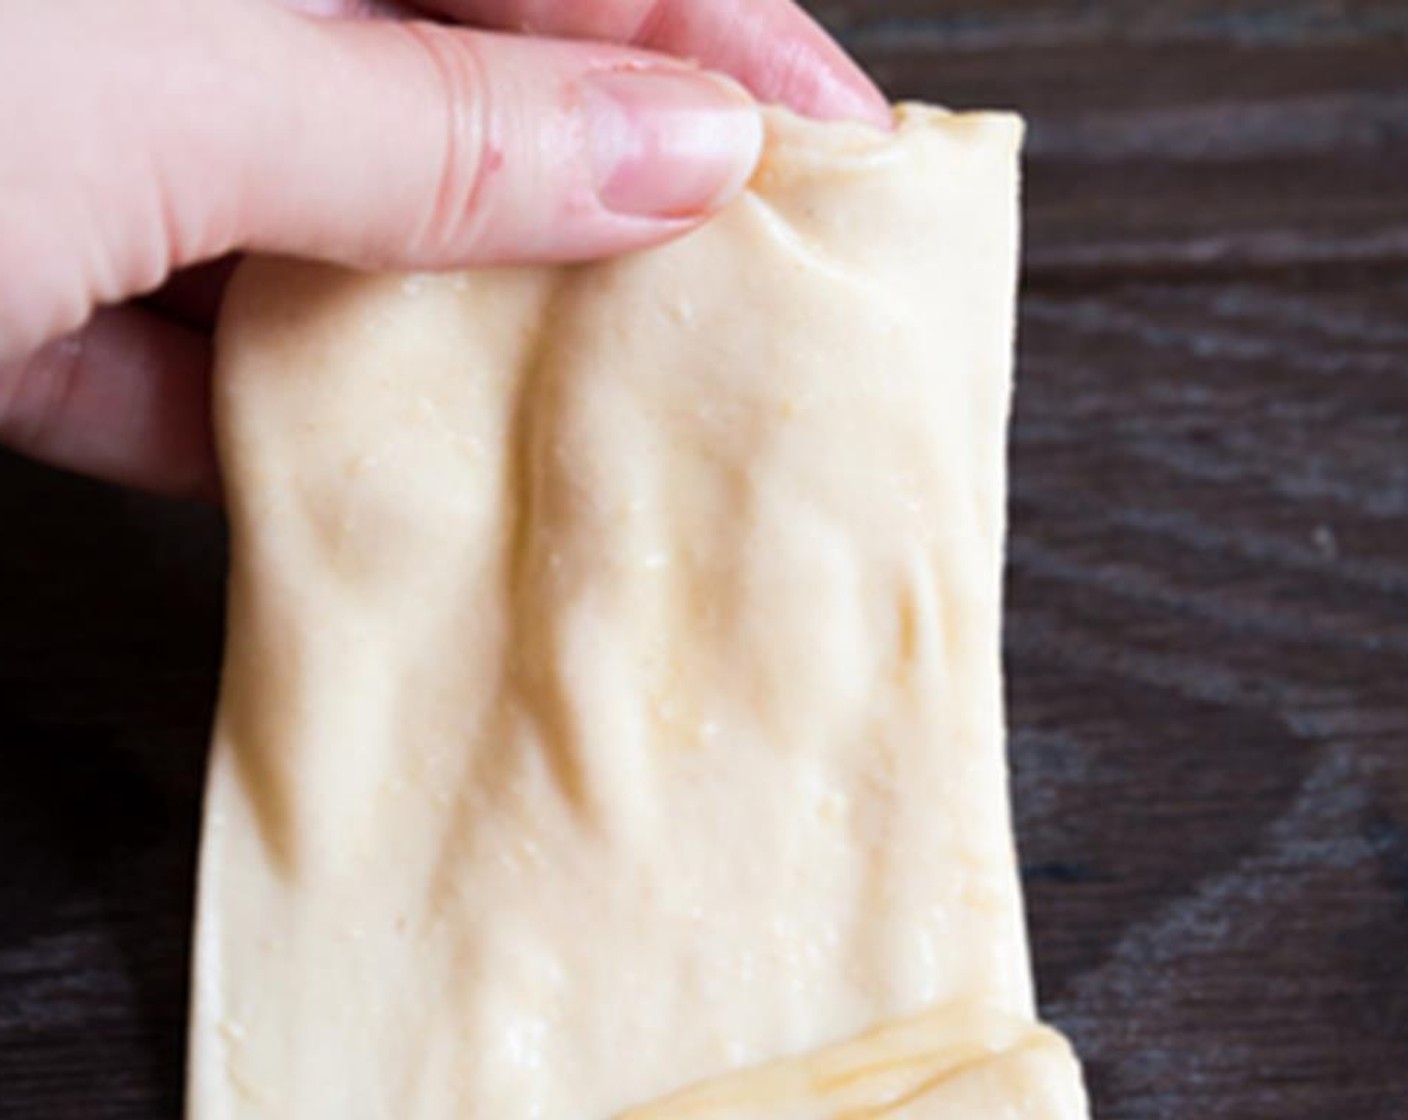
(143, 137)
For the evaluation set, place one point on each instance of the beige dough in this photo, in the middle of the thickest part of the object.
(612, 717)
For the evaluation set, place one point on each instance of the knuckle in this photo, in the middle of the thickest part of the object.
(453, 212)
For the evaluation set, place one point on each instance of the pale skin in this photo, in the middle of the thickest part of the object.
(144, 139)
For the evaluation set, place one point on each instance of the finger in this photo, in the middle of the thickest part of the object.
(375, 143)
(126, 398)
(772, 46)
(396, 144)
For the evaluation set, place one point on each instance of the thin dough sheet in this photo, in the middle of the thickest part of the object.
(612, 717)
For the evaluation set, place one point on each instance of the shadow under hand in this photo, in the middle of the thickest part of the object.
(109, 648)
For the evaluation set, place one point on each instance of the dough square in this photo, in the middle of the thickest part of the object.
(612, 713)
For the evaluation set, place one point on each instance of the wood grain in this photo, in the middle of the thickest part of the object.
(1207, 636)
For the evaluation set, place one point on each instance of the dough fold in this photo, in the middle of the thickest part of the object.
(611, 722)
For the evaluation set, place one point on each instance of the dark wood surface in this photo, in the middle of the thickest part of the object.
(1207, 635)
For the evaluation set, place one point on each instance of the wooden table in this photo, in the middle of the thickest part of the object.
(1208, 629)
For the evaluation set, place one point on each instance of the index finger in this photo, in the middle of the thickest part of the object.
(772, 46)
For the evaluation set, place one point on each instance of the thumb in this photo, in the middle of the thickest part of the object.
(417, 145)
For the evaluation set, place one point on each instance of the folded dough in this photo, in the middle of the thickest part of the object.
(611, 721)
